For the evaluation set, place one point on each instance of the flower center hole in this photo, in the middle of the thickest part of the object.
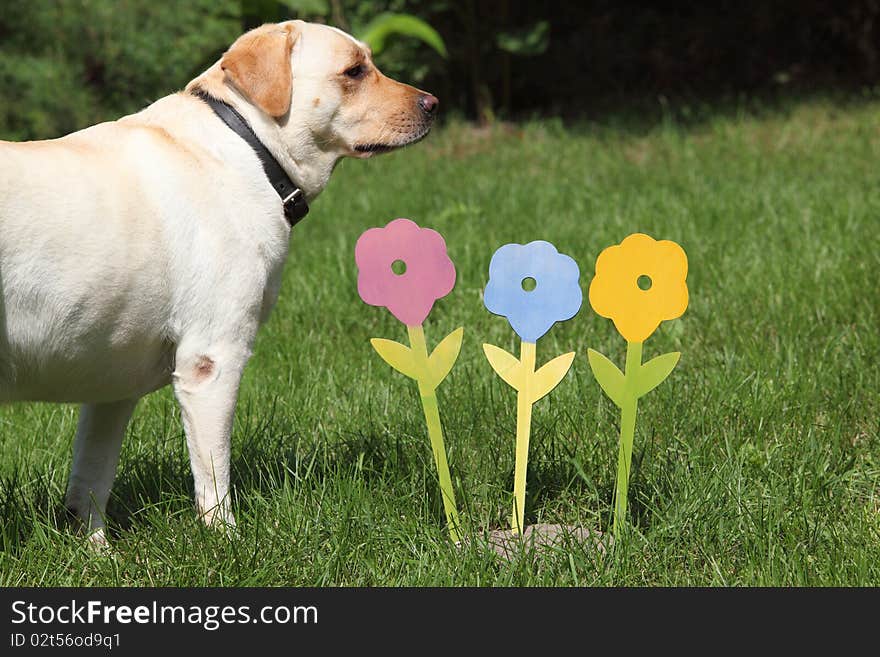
(529, 284)
(398, 267)
(644, 282)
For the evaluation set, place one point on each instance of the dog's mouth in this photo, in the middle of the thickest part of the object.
(374, 148)
(369, 149)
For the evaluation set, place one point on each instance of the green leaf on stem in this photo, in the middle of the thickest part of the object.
(608, 375)
(655, 371)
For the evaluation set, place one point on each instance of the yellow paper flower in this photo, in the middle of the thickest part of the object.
(615, 291)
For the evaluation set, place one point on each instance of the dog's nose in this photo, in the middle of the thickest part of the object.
(428, 103)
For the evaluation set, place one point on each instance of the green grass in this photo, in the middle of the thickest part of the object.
(757, 462)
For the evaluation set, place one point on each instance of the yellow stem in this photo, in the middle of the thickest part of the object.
(435, 429)
(523, 429)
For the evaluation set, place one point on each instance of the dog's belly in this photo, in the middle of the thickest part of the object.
(80, 376)
(55, 346)
(103, 339)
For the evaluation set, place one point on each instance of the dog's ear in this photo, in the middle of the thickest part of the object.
(258, 64)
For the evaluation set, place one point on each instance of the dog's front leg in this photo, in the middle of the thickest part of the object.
(96, 448)
(206, 384)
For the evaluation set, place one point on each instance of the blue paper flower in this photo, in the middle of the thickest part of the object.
(556, 296)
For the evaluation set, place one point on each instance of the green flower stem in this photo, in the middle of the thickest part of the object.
(523, 429)
(627, 431)
(435, 429)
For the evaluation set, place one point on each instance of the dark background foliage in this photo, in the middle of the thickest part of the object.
(67, 63)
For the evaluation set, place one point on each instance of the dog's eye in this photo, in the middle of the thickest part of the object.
(355, 71)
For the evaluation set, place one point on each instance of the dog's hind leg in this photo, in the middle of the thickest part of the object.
(206, 384)
(95, 456)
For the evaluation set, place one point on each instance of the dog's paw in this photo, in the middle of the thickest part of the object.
(221, 519)
(95, 538)
(98, 539)
(226, 527)
(96, 542)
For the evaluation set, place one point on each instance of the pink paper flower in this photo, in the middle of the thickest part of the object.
(429, 274)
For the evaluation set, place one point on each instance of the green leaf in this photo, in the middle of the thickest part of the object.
(528, 41)
(385, 25)
(608, 375)
(444, 356)
(399, 356)
(549, 375)
(655, 371)
(506, 365)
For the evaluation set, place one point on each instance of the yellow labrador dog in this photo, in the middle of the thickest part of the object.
(148, 250)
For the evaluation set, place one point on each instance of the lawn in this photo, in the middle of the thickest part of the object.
(756, 463)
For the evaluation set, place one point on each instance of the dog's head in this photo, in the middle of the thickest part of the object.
(321, 85)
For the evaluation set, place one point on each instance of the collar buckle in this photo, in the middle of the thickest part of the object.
(295, 206)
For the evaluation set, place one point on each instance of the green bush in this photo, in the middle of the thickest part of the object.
(41, 97)
(64, 65)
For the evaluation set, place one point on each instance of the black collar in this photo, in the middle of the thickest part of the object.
(292, 197)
